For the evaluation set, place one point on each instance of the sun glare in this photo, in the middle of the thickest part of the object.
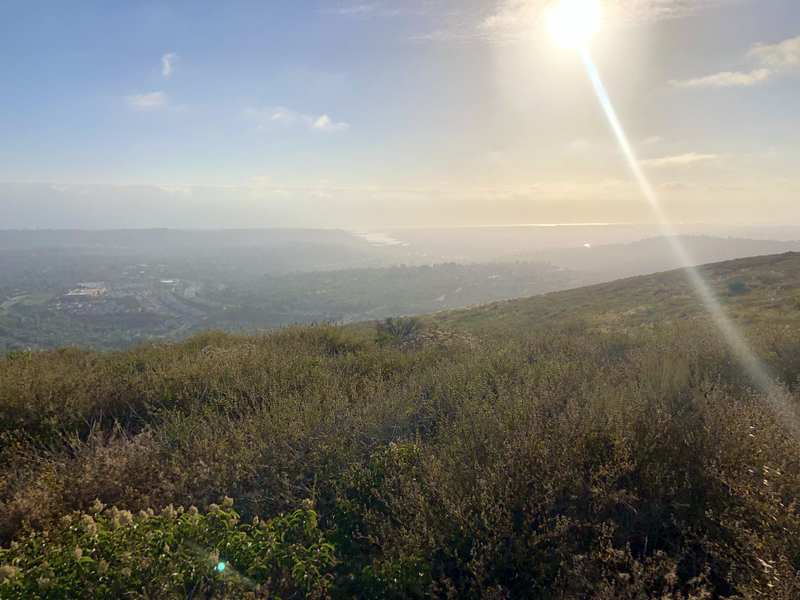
(573, 23)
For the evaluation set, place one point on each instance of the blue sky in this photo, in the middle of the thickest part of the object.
(374, 114)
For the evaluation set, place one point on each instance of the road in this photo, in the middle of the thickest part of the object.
(6, 306)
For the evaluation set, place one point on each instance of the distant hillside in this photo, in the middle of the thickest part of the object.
(751, 289)
(171, 238)
(531, 242)
(596, 443)
(616, 261)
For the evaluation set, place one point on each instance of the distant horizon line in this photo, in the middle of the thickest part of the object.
(361, 230)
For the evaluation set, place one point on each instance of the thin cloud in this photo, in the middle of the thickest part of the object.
(400, 195)
(784, 56)
(648, 11)
(386, 8)
(359, 9)
(268, 192)
(147, 101)
(355, 9)
(776, 60)
(503, 21)
(167, 63)
(176, 190)
(280, 115)
(727, 79)
(786, 184)
(728, 188)
(324, 123)
(675, 186)
(270, 116)
(685, 160)
(260, 182)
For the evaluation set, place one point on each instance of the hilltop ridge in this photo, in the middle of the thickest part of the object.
(750, 289)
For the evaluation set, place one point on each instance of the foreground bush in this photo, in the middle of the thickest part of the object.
(176, 554)
(565, 462)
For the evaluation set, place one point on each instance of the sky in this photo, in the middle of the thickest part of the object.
(392, 113)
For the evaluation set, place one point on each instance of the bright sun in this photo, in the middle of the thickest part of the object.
(573, 23)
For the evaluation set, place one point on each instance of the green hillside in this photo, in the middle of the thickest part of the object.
(601, 442)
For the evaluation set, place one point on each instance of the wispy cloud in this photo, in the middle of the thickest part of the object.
(727, 79)
(176, 190)
(400, 195)
(727, 188)
(273, 116)
(270, 116)
(270, 192)
(675, 186)
(784, 56)
(384, 8)
(147, 101)
(641, 11)
(324, 123)
(260, 181)
(776, 60)
(502, 21)
(685, 160)
(510, 20)
(281, 193)
(167, 63)
(281, 113)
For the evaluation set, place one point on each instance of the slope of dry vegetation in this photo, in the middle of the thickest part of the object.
(764, 288)
(571, 460)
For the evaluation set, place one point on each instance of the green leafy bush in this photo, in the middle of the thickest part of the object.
(19, 355)
(737, 288)
(175, 554)
(398, 329)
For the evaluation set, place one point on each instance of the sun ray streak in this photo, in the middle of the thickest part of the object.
(777, 395)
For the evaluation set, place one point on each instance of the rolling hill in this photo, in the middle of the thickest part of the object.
(653, 255)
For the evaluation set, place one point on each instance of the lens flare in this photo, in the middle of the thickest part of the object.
(776, 395)
(573, 23)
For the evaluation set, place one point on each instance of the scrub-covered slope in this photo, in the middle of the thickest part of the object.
(595, 443)
(764, 288)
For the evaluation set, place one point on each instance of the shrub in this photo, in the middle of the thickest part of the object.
(563, 462)
(19, 355)
(737, 288)
(398, 329)
(175, 554)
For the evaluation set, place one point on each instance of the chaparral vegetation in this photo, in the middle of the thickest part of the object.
(597, 443)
